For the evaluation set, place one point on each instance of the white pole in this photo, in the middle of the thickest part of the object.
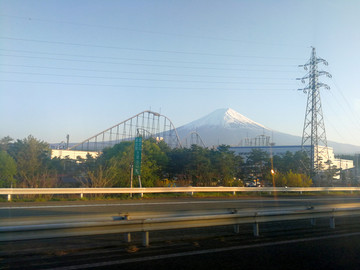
(131, 177)
(142, 194)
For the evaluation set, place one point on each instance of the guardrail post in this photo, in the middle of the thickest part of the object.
(236, 228)
(313, 221)
(332, 222)
(145, 238)
(234, 193)
(127, 237)
(9, 197)
(81, 195)
(256, 229)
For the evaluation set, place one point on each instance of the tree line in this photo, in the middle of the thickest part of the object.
(27, 163)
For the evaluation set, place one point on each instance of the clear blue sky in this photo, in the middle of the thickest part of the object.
(79, 67)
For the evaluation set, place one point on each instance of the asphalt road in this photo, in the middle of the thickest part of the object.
(281, 245)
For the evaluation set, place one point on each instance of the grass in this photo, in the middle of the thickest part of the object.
(94, 197)
(164, 195)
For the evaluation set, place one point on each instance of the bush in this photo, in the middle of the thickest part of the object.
(291, 179)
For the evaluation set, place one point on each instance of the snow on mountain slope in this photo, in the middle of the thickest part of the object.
(226, 126)
(226, 118)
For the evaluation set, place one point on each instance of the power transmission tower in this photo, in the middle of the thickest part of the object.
(314, 129)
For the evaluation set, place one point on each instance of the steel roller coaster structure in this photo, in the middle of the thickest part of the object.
(147, 124)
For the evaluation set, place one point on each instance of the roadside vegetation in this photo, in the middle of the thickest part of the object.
(27, 163)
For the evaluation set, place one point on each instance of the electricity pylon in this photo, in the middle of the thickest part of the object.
(314, 128)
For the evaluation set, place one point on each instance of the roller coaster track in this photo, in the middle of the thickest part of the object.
(146, 124)
(195, 139)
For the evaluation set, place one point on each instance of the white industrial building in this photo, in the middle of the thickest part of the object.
(343, 164)
(72, 154)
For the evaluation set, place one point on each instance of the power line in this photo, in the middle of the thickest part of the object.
(143, 50)
(152, 32)
(147, 60)
(353, 118)
(354, 115)
(141, 64)
(150, 73)
(328, 121)
(142, 87)
(134, 79)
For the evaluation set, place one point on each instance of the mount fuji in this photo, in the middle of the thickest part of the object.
(226, 126)
(226, 118)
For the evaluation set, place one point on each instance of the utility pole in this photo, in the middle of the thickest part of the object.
(67, 141)
(314, 129)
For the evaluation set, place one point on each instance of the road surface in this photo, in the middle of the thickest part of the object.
(281, 245)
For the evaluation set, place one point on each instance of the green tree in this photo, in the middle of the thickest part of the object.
(154, 162)
(153, 151)
(120, 164)
(284, 163)
(258, 165)
(296, 162)
(178, 164)
(120, 157)
(226, 165)
(205, 167)
(7, 170)
(100, 176)
(33, 159)
(199, 166)
(5, 143)
(116, 151)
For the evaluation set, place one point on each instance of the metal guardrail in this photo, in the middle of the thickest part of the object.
(125, 224)
(81, 191)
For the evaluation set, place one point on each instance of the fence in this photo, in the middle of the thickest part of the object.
(126, 224)
(190, 190)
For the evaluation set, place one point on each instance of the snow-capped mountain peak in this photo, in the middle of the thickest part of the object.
(232, 118)
(226, 126)
(225, 118)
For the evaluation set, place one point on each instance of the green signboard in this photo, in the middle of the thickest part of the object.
(137, 156)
